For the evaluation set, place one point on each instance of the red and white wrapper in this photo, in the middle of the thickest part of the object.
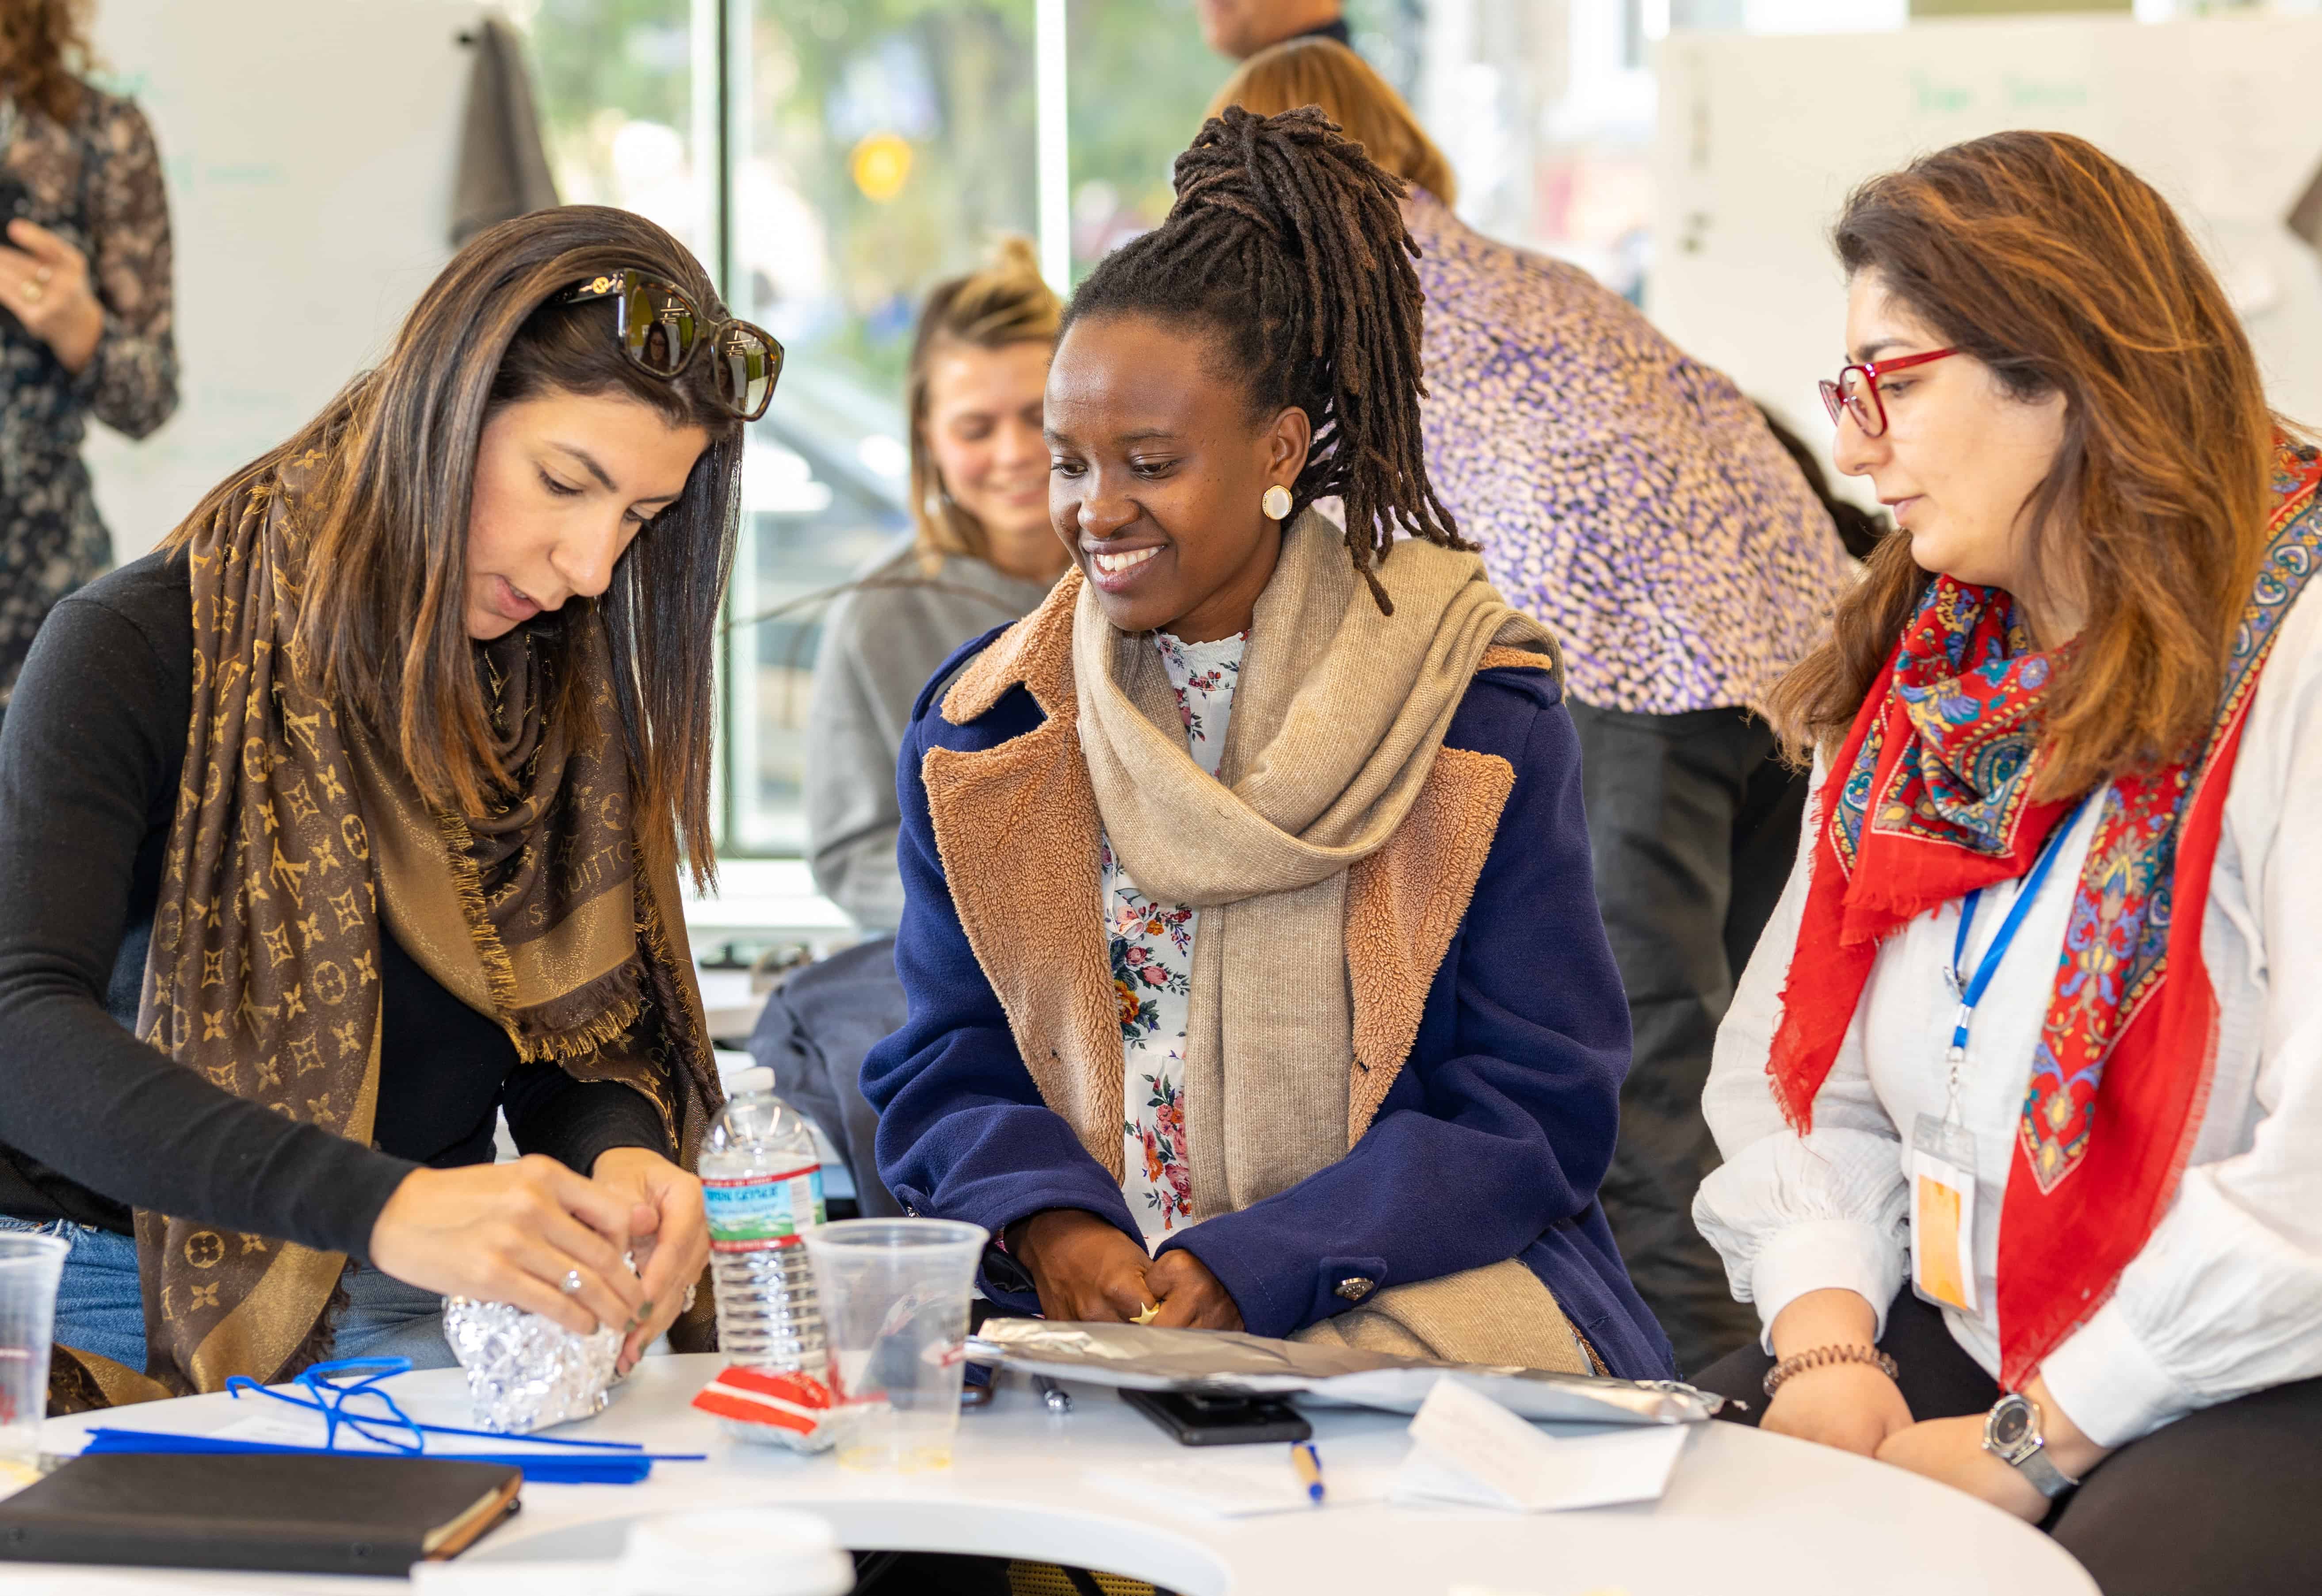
(782, 1410)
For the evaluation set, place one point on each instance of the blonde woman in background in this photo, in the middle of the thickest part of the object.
(1634, 501)
(982, 555)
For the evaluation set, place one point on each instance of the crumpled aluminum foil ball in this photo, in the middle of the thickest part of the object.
(526, 1371)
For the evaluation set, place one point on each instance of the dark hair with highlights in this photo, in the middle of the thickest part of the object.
(43, 48)
(1287, 248)
(2062, 271)
(381, 622)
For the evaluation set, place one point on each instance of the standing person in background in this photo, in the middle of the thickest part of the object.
(1241, 28)
(1634, 501)
(980, 555)
(84, 281)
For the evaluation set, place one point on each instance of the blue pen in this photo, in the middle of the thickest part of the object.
(1309, 1464)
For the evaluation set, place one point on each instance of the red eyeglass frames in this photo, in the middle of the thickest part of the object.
(1856, 392)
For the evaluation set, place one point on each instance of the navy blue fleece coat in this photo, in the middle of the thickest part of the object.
(1489, 1145)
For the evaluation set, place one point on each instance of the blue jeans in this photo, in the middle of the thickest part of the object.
(100, 1308)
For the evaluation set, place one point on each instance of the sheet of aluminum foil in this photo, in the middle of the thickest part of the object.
(526, 1371)
(1146, 1357)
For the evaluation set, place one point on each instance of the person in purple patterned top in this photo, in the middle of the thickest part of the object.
(1635, 501)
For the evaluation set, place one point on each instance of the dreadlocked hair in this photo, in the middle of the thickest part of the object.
(1287, 246)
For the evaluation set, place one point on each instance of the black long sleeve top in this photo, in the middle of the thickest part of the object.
(94, 1122)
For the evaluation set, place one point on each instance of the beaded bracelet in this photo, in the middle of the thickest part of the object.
(1818, 1357)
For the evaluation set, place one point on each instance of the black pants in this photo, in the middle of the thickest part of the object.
(2214, 1502)
(1693, 823)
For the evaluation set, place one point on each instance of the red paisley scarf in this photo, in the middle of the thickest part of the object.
(1930, 798)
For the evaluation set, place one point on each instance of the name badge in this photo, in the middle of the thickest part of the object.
(1941, 1167)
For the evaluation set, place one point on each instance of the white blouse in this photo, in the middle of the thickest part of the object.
(2226, 1298)
(1152, 950)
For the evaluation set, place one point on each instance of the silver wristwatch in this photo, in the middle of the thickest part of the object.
(2011, 1432)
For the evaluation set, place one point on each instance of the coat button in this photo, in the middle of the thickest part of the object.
(1356, 1287)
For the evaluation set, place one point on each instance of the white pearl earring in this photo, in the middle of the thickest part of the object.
(1276, 502)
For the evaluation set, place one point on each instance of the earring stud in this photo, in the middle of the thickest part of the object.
(1276, 502)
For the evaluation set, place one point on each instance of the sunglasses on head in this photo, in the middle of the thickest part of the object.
(661, 332)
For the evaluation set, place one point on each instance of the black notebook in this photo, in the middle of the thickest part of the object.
(297, 1514)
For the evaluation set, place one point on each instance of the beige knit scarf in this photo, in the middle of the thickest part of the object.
(1337, 714)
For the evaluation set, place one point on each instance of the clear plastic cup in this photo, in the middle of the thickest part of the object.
(894, 1309)
(29, 1267)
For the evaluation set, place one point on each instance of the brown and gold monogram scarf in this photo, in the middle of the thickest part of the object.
(297, 838)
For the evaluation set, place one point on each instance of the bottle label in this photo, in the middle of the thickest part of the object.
(758, 1212)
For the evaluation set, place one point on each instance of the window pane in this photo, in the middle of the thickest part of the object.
(1139, 77)
(618, 111)
(880, 145)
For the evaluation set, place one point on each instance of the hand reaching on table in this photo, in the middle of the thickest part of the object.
(1191, 1297)
(1083, 1267)
(1853, 1407)
(672, 1251)
(517, 1233)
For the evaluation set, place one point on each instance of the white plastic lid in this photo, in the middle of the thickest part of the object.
(734, 1551)
(758, 1078)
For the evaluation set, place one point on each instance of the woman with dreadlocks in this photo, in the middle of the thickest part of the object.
(1227, 869)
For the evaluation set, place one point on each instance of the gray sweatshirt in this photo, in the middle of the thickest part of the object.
(881, 642)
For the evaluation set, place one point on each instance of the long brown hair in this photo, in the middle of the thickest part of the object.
(1324, 72)
(381, 626)
(1004, 302)
(43, 46)
(2064, 272)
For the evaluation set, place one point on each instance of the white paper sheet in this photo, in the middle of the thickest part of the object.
(1466, 1448)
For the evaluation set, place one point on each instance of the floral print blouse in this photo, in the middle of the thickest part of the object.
(1153, 963)
(96, 183)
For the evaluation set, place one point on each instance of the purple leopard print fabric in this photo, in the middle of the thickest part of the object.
(1630, 497)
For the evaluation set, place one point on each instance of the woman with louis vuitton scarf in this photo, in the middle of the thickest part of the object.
(362, 799)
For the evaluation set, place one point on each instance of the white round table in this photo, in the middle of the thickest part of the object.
(1745, 1512)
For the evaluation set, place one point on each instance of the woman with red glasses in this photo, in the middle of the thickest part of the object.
(2019, 1098)
(350, 821)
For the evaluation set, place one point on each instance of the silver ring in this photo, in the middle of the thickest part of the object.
(571, 1282)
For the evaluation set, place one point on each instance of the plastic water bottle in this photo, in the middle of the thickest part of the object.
(762, 1179)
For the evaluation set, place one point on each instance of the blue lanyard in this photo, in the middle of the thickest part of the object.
(1970, 991)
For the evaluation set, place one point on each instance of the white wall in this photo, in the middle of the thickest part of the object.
(309, 146)
(1759, 140)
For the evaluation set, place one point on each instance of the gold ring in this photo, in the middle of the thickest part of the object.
(32, 292)
(1152, 1311)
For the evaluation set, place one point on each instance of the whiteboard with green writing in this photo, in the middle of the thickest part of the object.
(308, 147)
(1759, 140)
